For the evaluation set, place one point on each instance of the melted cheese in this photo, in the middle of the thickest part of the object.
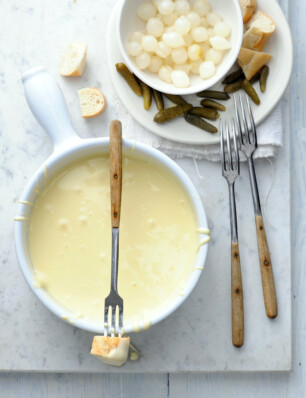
(70, 238)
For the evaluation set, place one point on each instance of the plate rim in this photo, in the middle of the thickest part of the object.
(216, 138)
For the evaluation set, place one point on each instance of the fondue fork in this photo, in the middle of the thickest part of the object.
(248, 145)
(113, 300)
(230, 171)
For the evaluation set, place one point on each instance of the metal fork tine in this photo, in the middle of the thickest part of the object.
(252, 122)
(120, 320)
(237, 163)
(106, 324)
(229, 150)
(113, 324)
(222, 147)
(238, 120)
(246, 130)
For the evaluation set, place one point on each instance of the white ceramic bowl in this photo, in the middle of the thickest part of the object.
(42, 95)
(128, 22)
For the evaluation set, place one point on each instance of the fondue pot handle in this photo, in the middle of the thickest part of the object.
(48, 105)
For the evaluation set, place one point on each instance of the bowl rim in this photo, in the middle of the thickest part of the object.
(172, 89)
(77, 147)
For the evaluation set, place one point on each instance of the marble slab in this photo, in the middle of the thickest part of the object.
(197, 337)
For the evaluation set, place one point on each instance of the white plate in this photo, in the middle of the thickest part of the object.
(280, 46)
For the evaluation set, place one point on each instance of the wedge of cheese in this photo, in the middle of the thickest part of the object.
(74, 60)
(259, 30)
(111, 350)
(251, 61)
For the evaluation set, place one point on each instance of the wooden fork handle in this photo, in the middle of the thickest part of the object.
(115, 149)
(267, 279)
(237, 299)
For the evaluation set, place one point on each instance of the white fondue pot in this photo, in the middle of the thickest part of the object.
(47, 103)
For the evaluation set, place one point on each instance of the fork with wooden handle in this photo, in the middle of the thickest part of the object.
(230, 171)
(248, 145)
(113, 300)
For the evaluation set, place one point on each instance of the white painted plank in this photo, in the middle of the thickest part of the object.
(83, 386)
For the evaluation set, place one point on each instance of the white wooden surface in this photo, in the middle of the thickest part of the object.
(215, 385)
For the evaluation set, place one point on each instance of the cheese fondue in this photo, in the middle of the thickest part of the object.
(70, 238)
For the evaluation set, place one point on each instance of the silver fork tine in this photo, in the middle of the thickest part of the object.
(106, 324)
(113, 324)
(222, 148)
(237, 163)
(253, 127)
(120, 321)
(238, 120)
(245, 123)
(229, 149)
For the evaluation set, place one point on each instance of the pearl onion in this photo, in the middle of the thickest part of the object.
(213, 18)
(166, 7)
(201, 7)
(214, 56)
(184, 67)
(182, 25)
(199, 34)
(219, 43)
(155, 27)
(207, 69)
(182, 7)
(222, 29)
(165, 74)
(179, 55)
(195, 52)
(156, 64)
(146, 11)
(170, 19)
(162, 49)
(169, 29)
(195, 67)
(211, 32)
(133, 48)
(188, 39)
(136, 36)
(173, 39)
(205, 46)
(149, 43)
(180, 79)
(143, 60)
(194, 19)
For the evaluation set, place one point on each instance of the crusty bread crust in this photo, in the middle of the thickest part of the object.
(259, 30)
(252, 61)
(92, 102)
(248, 8)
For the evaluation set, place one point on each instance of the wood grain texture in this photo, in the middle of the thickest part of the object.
(237, 298)
(115, 150)
(268, 286)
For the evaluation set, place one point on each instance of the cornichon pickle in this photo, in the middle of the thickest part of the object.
(219, 95)
(234, 77)
(264, 73)
(213, 104)
(207, 113)
(171, 113)
(255, 78)
(159, 100)
(201, 123)
(176, 99)
(129, 78)
(147, 95)
(251, 92)
(233, 87)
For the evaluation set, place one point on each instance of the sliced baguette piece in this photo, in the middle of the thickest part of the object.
(248, 8)
(92, 102)
(74, 60)
(111, 350)
(259, 30)
(251, 61)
